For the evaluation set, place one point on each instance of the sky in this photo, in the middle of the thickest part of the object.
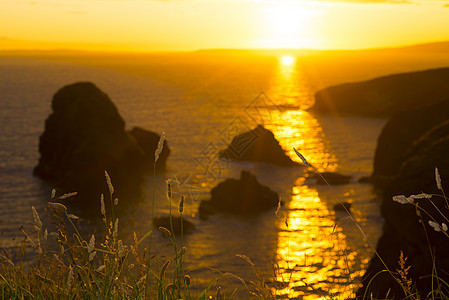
(175, 25)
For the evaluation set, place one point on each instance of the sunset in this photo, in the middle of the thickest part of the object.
(152, 25)
(224, 149)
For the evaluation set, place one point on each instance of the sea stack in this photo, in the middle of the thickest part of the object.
(85, 136)
(257, 145)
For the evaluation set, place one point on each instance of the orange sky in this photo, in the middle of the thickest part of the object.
(148, 25)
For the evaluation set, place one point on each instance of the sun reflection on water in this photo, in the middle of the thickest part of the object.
(312, 252)
(290, 87)
(313, 255)
(299, 129)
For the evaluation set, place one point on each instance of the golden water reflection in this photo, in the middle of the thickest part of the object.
(291, 124)
(312, 253)
(300, 130)
(290, 86)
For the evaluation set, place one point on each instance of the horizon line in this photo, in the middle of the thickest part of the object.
(159, 51)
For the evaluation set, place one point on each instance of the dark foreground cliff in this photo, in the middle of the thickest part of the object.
(413, 144)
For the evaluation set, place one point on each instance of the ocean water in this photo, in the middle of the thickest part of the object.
(200, 103)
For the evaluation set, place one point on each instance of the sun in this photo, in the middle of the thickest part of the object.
(288, 60)
(289, 25)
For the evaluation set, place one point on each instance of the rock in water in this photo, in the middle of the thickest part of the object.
(343, 206)
(332, 178)
(148, 142)
(257, 145)
(84, 136)
(244, 196)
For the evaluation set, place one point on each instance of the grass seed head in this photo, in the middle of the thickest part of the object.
(92, 255)
(165, 231)
(72, 216)
(160, 145)
(303, 159)
(182, 251)
(402, 199)
(37, 220)
(102, 206)
(434, 225)
(421, 196)
(187, 279)
(169, 192)
(109, 182)
(57, 206)
(135, 237)
(181, 204)
(438, 179)
(120, 249)
(91, 246)
(69, 281)
(68, 195)
(115, 232)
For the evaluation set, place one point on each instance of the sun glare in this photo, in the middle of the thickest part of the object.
(289, 25)
(288, 60)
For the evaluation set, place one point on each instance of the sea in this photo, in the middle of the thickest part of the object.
(200, 100)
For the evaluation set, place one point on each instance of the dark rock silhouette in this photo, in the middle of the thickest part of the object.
(148, 142)
(84, 136)
(343, 206)
(257, 145)
(385, 96)
(244, 196)
(187, 226)
(404, 230)
(332, 178)
(399, 135)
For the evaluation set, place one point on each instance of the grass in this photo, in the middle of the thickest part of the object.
(436, 221)
(70, 266)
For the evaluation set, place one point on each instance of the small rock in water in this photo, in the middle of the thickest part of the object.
(244, 196)
(257, 145)
(333, 178)
(343, 206)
